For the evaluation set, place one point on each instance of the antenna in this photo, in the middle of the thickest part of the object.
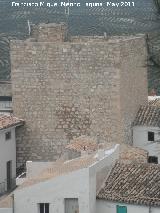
(29, 28)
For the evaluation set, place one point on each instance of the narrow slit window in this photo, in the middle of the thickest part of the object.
(8, 135)
(150, 136)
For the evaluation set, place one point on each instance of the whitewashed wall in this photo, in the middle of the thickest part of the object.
(7, 153)
(103, 206)
(35, 168)
(79, 184)
(73, 185)
(6, 210)
(5, 105)
(140, 139)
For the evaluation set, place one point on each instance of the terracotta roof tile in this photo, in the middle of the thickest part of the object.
(149, 114)
(134, 183)
(7, 121)
(83, 143)
(127, 152)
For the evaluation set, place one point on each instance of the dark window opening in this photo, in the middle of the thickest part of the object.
(43, 207)
(150, 136)
(5, 98)
(153, 159)
(8, 135)
(9, 174)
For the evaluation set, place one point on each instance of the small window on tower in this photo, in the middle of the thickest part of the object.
(8, 135)
(150, 136)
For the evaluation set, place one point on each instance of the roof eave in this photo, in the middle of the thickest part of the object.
(21, 123)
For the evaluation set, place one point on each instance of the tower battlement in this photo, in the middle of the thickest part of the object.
(49, 32)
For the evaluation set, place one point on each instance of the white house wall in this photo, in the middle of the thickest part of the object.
(73, 185)
(92, 193)
(7, 153)
(103, 206)
(155, 210)
(96, 174)
(5, 105)
(6, 210)
(79, 184)
(140, 139)
(35, 168)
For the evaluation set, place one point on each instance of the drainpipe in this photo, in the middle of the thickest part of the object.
(12, 203)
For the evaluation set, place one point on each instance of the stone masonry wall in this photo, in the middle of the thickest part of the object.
(53, 32)
(63, 90)
(133, 82)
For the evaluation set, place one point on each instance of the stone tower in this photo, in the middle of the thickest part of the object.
(85, 86)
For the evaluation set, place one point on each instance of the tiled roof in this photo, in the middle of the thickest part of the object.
(61, 168)
(155, 102)
(7, 121)
(83, 143)
(133, 183)
(127, 152)
(149, 114)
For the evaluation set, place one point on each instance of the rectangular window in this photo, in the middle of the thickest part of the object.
(8, 135)
(121, 209)
(43, 208)
(153, 159)
(150, 136)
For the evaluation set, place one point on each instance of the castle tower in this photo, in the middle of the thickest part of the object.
(89, 86)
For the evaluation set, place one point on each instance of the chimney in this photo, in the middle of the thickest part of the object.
(84, 151)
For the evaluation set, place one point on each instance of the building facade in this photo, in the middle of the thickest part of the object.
(146, 129)
(117, 207)
(5, 97)
(8, 152)
(83, 86)
(130, 188)
(62, 187)
(93, 183)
